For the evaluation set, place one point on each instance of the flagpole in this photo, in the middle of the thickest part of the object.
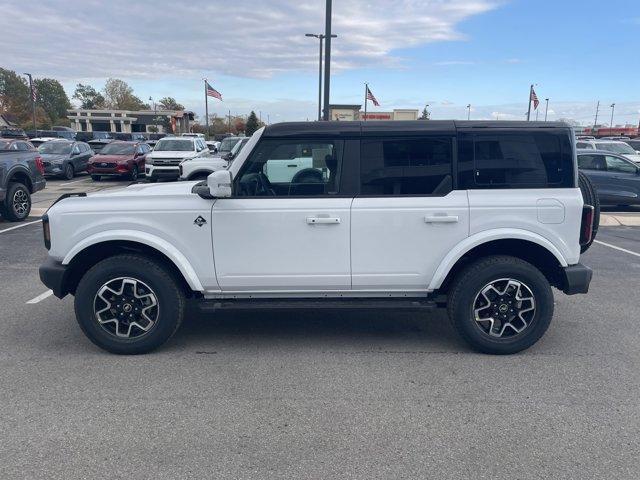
(206, 108)
(529, 107)
(366, 91)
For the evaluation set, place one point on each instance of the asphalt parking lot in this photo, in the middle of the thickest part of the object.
(319, 394)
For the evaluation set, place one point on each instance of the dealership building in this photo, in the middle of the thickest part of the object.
(129, 121)
(354, 113)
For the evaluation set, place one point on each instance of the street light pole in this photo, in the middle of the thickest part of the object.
(546, 109)
(320, 37)
(327, 60)
(595, 122)
(469, 112)
(613, 107)
(33, 101)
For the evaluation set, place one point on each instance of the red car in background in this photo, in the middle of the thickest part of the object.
(119, 158)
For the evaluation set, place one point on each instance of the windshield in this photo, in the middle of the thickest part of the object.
(622, 148)
(635, 144)
(227, 144)
(238, 146)
(174, 145)
(56, 148)
(117, 149)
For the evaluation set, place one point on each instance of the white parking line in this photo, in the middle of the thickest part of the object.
(71, 183)
(40, 297)
(617, 248)
(20, 226)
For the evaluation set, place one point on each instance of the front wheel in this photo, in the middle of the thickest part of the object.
(134, 173)
(500, 305)
(68, 172)
(129, 304)
(17, 204)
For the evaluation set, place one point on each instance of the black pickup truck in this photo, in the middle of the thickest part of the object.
(21, 174)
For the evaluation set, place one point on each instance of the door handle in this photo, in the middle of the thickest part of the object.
(441, 219)
(323, 220)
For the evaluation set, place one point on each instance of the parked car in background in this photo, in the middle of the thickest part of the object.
(194, 135)
(13, 132)
(164, 160)
(119, 158)
(66, 134)
(130, 137)
(36, 142)
(199, 168)
(65, 159)
(226, 145)
(612, 146)
(616, 178)
(21, 174)
(633, 143)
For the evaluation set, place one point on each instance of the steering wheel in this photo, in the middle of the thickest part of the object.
(256, 185)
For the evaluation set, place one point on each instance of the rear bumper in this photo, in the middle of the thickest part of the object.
(39, 184)
(576, 279)
(54, 275)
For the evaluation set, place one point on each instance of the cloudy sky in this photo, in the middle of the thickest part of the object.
(447, 53)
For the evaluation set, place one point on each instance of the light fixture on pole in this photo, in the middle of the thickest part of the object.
(613, 107)
(320, 37)
(469, 112)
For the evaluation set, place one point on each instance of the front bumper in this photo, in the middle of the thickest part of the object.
(53, 168)
(123, 169)
(576, 279)
(55, 276)
(154, 172)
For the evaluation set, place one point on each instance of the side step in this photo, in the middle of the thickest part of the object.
(210, 305)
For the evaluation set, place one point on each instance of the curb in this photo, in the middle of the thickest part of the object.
(608, 220)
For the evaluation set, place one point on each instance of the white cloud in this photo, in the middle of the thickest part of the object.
(139, 39)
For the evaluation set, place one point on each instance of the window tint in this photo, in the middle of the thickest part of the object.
(615, 164)
(515, 160)
(591, 162)
(415, 166)
(292, 168)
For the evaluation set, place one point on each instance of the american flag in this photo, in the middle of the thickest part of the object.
(534, 98)
(212, 92)
(372, 98)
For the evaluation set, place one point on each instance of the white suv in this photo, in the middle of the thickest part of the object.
(614, 146)
(483, 217)
(169, 152)
(199, 168)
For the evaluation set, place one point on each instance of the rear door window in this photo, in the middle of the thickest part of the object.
(406, 166)
(515, 159)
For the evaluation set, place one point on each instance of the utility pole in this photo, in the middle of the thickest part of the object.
(320, 37)
(613, 107)
(469, 112)
(327, 60)
(33, 101)
(546, 109)
(529, 103)
(595, 122)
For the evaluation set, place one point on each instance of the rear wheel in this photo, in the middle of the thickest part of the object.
(590, 197)
(129, 304)
(134, 173)
(17, 204)
(500, 305)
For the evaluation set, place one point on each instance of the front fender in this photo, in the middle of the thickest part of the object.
(480, 238)
(178, 259)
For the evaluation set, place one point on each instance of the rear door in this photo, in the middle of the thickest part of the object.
(407, 216)
(623, 181)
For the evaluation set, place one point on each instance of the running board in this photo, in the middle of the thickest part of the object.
(210, 305)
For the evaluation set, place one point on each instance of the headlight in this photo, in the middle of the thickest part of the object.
(148, 160)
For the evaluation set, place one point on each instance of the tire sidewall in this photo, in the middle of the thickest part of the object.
(166, 291)
(463, 316)
(9, 210)
(68, 171)
(134, 172)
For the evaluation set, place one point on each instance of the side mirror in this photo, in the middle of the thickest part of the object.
(219, 183)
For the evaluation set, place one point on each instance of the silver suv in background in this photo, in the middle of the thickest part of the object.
(613, 146)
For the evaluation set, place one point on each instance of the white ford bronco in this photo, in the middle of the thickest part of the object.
(481, 217)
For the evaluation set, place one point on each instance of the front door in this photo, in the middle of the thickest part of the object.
(407, 217)
(285, 233)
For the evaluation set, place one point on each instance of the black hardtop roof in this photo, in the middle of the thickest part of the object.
(346, 128)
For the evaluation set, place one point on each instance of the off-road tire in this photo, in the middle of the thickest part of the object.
(9, 210)
(169, 293)
(471, 280)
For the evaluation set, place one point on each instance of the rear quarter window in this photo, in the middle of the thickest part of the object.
(515, 159)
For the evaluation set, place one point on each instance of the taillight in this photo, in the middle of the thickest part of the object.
(40, 165)
(46, 231)
(586, 228)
